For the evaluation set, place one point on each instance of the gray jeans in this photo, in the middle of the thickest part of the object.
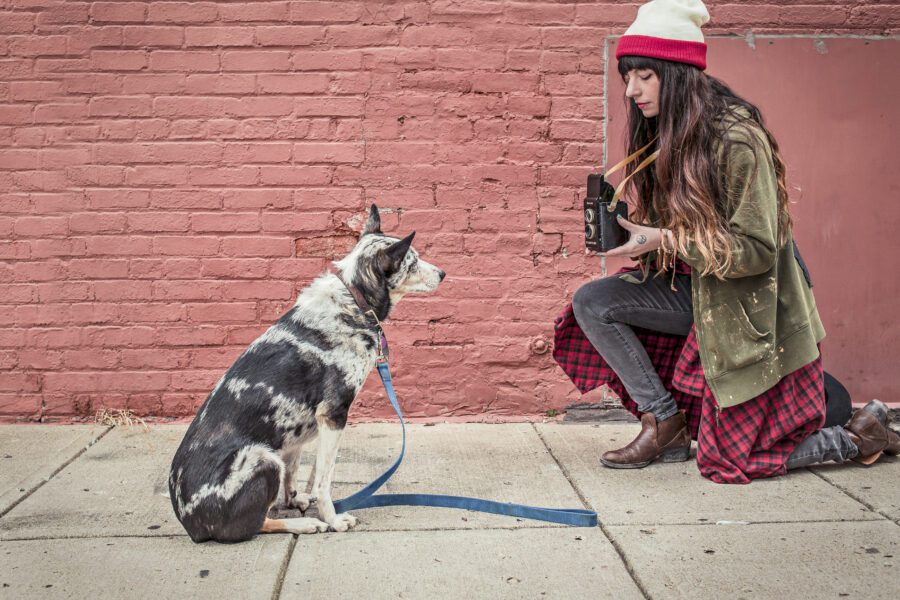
(824, 445)
(607, 309)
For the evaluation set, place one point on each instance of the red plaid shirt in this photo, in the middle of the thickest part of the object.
(734, 445)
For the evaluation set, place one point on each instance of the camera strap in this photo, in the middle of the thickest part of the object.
(621, 187)
(627, 160)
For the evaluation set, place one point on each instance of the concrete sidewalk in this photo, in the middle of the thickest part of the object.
(83, 515)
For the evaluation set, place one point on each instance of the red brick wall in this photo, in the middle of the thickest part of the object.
(172, 173)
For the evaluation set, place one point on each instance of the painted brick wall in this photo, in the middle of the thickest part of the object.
(172, 173)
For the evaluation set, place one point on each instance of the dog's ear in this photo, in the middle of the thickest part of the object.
(373, 224)
(395, 253)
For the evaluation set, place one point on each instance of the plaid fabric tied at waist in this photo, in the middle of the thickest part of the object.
(735, 444)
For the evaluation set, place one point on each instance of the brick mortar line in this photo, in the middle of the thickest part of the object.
(285, 563)
(55, 472)
(619, 550)
(851, 495)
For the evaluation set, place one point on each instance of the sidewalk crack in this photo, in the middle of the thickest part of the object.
(581, 496)
(46, 480)
(282, 572)
(854, 496)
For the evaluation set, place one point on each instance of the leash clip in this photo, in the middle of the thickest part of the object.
(382, 356)
(383, 352)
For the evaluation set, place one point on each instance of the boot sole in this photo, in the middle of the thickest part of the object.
(868, 460)
(613, 465)
(669, 456)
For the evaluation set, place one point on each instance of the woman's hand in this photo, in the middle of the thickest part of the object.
(642, 240)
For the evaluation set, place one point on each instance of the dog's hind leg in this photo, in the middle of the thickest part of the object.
(290, 496)
(299, 525)
(329, 438)
(234, 509)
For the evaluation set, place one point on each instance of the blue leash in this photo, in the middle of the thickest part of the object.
(365, 497)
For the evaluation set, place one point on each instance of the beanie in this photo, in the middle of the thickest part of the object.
(667, 29)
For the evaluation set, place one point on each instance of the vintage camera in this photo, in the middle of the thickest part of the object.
(602, 231)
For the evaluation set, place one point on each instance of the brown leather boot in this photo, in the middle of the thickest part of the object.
(868, 429)
(669, 439)
(893, 447)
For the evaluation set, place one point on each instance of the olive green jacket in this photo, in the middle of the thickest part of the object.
(760, 323)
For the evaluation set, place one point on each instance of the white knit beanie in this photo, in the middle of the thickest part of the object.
(667, 29)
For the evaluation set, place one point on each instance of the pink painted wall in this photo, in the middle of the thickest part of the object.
(172, 173)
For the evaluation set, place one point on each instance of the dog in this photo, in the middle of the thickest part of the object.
(240, 455)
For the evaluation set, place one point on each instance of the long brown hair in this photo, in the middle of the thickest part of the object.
(686, 189)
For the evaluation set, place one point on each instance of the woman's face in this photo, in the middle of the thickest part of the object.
(642, 86)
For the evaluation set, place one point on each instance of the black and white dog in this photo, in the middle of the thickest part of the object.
(241, 453)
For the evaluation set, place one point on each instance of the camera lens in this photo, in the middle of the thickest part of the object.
(589, 215)
(590, 232)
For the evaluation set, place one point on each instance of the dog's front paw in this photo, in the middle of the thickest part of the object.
(343, 522)
(320, 526)
(304, 525)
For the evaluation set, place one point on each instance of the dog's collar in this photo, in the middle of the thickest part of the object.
(370, 315)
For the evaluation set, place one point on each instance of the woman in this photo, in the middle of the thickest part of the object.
(716, 338)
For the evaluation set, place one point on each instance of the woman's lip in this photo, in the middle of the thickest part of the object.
(642, 104)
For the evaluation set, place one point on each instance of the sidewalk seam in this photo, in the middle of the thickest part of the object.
(285, 563)
(521, 527)
(851, 495)
(619, 550)
(46, 480)
(85, 536)
(103, 536)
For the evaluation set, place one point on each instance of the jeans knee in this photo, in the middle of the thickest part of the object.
(579, 306)
(580, 298)
(590, 302)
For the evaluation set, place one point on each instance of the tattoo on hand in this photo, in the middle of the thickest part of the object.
(641, 239)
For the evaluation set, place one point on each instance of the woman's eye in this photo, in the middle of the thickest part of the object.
(645, 78)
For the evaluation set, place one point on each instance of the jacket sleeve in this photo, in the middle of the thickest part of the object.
(752, 201)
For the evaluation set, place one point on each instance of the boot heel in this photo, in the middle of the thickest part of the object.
(676, 455)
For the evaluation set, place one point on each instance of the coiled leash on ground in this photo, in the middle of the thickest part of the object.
(366, 498)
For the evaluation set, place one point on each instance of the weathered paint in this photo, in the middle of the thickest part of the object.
(171, 176)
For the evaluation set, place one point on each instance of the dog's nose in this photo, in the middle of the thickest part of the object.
(441, 274)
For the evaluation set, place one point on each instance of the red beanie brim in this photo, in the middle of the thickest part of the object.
(692, 53)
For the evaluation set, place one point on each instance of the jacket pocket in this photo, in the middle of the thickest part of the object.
(733, 339)
(756, 331)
